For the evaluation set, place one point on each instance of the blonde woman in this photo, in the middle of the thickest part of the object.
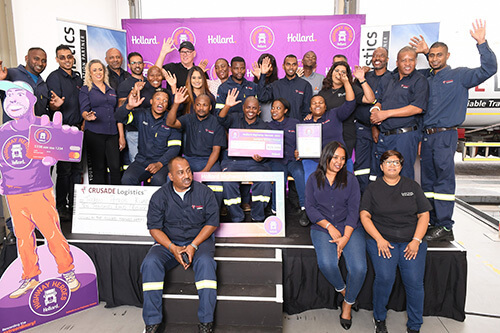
(97, 104)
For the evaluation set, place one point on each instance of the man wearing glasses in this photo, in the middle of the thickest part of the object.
(64, 86)
(136, 66)
(179, 69)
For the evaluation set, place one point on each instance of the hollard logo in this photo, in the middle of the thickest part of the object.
(218, 39)
(183, 34)
(299, 38)
(14, 152)
(262, 38)
(143, 40)
(342, 36)
(49, 297)
(43, 135)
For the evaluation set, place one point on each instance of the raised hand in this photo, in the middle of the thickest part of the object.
(169, 77)
(203, 65)
(265, 67)
(256, 70)
(168, 46)
(300, 71)
(180, 95)
(55, 101)
(231, 97)
(359, 73)
(419, 44)
(478, 31)
(139, 85)
(134, 98)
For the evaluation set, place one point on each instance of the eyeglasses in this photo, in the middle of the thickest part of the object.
(136, 63)
(186, 52)
(62, 58)
(392, 162)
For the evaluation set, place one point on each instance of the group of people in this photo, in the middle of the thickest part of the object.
(383, 116)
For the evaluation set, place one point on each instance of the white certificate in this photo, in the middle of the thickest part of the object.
(309, 140)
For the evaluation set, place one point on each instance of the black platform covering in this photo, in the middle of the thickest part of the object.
(304, 287)
(445, 284)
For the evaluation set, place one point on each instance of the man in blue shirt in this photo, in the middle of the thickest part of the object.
(401, 97)
(204, 139)
(158, 143)
(260, 190)
(36, 61)
(295, 90)
(182, 217)
(64, 85)
(236, 80)
(366, 165)
(449, 92)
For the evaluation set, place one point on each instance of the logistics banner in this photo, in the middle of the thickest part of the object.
(88, 42)
(249, 37)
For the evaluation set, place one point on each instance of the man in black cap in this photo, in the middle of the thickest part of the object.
(179, 69)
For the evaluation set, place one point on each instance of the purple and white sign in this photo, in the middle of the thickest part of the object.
(249, 37)
(309, 140)
(54, 142)
(52, 297)
(247, 142)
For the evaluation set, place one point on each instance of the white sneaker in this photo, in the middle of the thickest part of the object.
(71, 280)
(26, 286)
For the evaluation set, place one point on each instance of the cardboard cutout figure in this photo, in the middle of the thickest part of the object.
(27, 186)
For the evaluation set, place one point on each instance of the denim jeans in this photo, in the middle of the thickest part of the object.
(132, 138)
(355, 258)
(297, 171)
(412, 274)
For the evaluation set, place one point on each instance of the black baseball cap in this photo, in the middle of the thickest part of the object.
(186, 45)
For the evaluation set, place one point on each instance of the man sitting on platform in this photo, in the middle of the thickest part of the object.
(158, 143)
(182, 218)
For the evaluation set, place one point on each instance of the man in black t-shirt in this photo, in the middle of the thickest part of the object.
(180, 69)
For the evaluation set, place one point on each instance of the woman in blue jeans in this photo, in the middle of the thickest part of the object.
(395, 213)
(332, 204)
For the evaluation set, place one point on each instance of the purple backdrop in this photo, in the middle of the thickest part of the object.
(249, 38)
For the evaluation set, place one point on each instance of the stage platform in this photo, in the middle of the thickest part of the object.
(118, 259)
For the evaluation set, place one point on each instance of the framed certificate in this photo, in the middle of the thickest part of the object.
(248, 142)
(309, 140)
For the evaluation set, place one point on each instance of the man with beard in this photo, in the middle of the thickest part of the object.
(449, 92)
(367, 134)
(136, 66)
(182, 218)
(158, 143)
(296, 91)
(236, 81)
(36, 61)
(65, 85)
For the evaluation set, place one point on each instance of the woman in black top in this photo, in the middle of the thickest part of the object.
(395, 213)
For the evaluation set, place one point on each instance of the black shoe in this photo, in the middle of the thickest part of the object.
(439, 234)
(206, 327)
(152, 328)
(10, 239)
(345, 323)
(409, 330)
(380, 326)
(303, 219)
